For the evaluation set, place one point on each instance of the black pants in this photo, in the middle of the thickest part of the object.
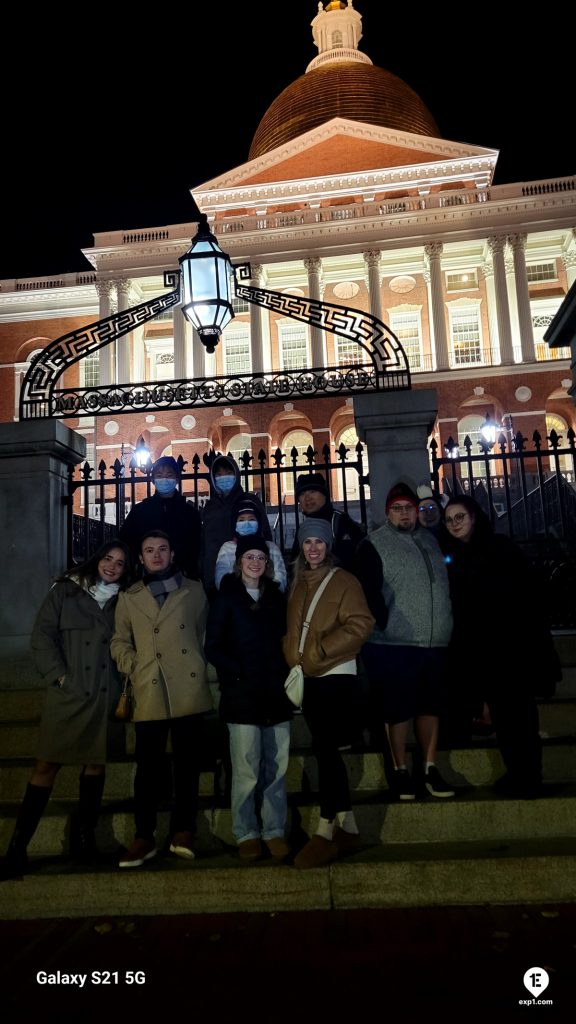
(151, 737)
(330, 708)
(515, 719)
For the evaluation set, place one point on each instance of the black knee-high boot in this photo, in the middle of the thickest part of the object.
(31, 810)
(82, 837)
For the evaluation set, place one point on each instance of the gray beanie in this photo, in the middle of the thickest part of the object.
(316, 528)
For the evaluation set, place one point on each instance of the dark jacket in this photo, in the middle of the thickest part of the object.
(178, 518)
(346, 533)
(219, 521)
(244, 643)
(495, 589)
(71, 638)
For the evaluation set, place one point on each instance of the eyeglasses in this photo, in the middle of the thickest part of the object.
(255, 558)
(401, 508)
(456, 519)
(426, 508)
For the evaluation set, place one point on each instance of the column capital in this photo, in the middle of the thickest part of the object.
(497, 243)
(256, 272)
(103, 288)
(433, 251)
(313, 264)
(426, 275)
(569, 259)
(372, 257)
(509, 263)
(486, 269)
(123, 285)
(517, 241)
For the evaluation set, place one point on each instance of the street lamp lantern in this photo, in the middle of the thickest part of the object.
(488, 430)
(206, 286)
(142, 454)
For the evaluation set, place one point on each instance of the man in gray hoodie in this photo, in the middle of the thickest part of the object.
(404, 576)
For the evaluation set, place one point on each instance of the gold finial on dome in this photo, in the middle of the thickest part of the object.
(335, 5)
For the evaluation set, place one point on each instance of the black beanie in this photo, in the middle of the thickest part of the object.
(251, 543)
(311, 482)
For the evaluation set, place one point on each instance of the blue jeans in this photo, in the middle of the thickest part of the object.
(259, 756)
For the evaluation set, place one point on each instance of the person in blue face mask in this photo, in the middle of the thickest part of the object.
(250, 522)
(219, 516)
(169, 511)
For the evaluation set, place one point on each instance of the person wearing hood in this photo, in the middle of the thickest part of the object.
(218, 515)
(250, 520)
(169, 511)
(402, 570)
(430, 510)
(314, 500)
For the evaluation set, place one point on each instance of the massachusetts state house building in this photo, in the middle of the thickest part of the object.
(347, 194)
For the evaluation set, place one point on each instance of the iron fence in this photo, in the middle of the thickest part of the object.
(99, 499)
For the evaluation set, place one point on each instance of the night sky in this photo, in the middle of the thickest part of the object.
(107, 126)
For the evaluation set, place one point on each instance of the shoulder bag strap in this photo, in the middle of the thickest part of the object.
(312, 607)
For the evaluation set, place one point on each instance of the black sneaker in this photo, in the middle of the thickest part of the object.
(435, 784)
(403, 788)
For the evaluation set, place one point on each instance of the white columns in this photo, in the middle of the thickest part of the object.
(518, 244)
(313, 267)
(488, 272)
(569, 261)
(496, 244)
(433, 253)
(198, 356)
(179, 328)
(105, 354)
(256, 349)
(372, 260)
(124, 343)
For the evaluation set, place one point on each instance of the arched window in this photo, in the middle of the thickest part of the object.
(20, 371)
(558, 423)
(301, 440)
(349, 438)
(469, 426)
(237, 445)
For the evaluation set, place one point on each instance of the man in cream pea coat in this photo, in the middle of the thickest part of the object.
(158, 643)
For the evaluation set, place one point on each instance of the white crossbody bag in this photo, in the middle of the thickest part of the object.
(294, 685)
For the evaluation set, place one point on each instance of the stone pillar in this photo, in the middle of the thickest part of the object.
(433, 253)
(105, 354)
(395, 428)
(488, 272)
(497, 243)
(518, 244)
(256, 349)
(123, 345)
(179, 330)
(372, 260)
(198, 355)
(314, 266)
(569, 261)
(34, 458)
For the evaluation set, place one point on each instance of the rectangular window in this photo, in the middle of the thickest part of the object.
(536, 272)
(237, 350)
(90, 370)
(293, 346)
(406, 327)
(462, 281)
(348, 352)
(466, 336)
(239, 305)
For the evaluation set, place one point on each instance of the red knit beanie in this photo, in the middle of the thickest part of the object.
(401, 492)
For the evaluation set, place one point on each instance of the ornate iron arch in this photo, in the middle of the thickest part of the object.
(385, 367)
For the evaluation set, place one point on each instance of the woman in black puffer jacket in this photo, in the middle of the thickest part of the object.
(246, 623)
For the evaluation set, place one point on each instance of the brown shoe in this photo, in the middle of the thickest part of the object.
(250, 849)
(347, 842)
(140, 851)
(278, 848)
(317, 852)
(183, 845)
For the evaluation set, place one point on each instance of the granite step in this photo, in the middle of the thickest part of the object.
(515, 871)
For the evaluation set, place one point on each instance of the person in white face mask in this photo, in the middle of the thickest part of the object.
(169, 511)
(218, 515)
(249, 522)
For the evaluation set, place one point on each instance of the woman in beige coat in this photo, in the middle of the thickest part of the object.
(158, 643)
(340, 625)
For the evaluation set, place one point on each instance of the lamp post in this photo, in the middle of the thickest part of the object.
(142, 454)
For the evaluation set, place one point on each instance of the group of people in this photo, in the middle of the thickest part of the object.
(399, 607)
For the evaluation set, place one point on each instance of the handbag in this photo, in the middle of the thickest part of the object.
(294, 684)
(123, 709)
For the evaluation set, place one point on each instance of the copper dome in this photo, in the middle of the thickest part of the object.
(352, 90)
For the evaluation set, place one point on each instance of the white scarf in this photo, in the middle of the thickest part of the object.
(100, 591)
